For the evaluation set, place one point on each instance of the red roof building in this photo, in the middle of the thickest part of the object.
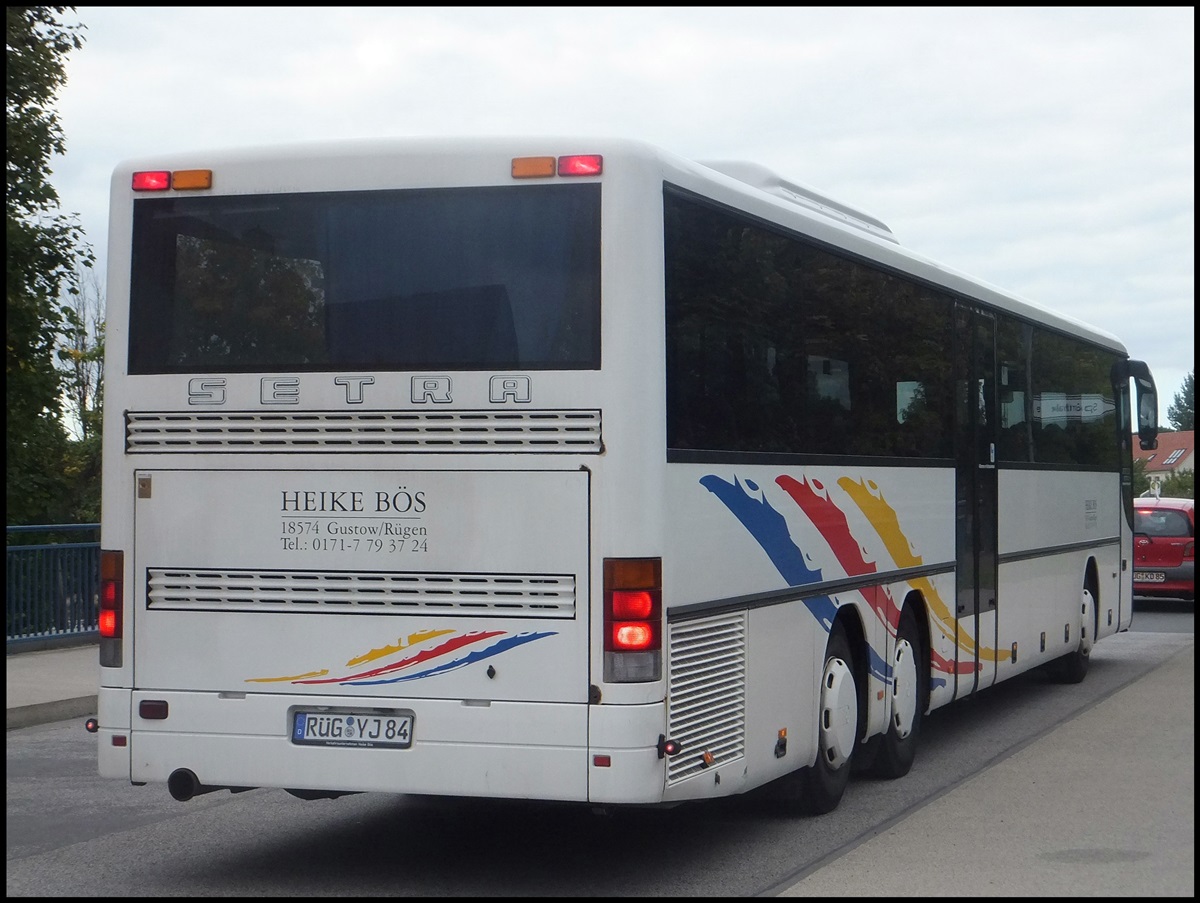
(1176, 452)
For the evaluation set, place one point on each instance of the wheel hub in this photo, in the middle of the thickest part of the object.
(904, 688)
(839, 713)
(1088, 626)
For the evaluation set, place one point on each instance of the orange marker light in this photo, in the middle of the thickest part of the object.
(532, 167)
(191, 179)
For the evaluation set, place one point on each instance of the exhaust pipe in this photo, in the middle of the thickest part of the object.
(183, 785)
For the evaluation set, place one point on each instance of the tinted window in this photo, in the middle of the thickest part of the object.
(775, 344)
(456, 278)
(1073, 412)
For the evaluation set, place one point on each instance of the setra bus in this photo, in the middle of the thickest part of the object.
(570, 469)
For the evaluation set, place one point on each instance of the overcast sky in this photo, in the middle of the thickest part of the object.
(1048, 151)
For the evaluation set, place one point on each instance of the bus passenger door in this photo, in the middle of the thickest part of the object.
(975, 497)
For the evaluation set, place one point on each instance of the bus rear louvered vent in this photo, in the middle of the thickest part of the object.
(363, 592)
(363, 431)
(706, 701)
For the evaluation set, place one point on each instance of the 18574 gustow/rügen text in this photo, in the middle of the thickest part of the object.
(351, 520)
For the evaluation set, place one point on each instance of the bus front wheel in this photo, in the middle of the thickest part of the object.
(1072, 668)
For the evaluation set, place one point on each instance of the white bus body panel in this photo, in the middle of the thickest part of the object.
(751, 539)
(273, 590)
(255, 543)
(831, 518)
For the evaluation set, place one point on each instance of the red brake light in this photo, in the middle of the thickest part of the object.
(112, 585)
(632, 604)
(581, 165)
(158, 180)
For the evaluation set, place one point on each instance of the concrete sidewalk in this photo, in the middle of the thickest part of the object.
(51, 685)
(1103, 805)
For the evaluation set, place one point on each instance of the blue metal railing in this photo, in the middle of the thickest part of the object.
(53, 587)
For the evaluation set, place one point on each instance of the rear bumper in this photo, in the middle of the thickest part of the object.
(1178, 582)
(514, 750)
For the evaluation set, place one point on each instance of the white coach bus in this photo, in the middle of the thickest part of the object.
(574, 470)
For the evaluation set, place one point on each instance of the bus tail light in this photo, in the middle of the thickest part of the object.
(180, 179)
(633, 619)
(112, 599)
(581, 165)
(545, 167)
(156, 180)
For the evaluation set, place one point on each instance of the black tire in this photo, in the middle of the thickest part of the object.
(897, 748)
(1072, 668)
(820, 786)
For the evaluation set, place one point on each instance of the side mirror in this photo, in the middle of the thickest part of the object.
(1147, 405)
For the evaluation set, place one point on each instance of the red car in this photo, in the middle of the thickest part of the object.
(1164, 548)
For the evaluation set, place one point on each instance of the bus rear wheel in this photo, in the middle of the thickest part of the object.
(897, 748)
(840, 723)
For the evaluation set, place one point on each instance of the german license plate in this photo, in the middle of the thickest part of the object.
(363, 730)
(1149, 577)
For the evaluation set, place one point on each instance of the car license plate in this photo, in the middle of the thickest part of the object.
(1149, 577)
(364, 730)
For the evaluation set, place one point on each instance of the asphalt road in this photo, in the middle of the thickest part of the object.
(70, 833)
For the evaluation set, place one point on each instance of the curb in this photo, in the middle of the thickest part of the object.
(48, 712)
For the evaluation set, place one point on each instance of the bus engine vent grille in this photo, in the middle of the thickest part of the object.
(363, 431)
(362, 592)
(706, 695)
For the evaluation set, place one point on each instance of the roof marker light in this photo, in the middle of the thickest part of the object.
(581, 165)
(532, 167)
(158, 180)
(191, 179)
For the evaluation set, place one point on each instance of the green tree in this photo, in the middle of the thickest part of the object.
(1141, 482)
(81, 360)
(81, 357)
(1180, 485)
(45, 247)
(1182, 412)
